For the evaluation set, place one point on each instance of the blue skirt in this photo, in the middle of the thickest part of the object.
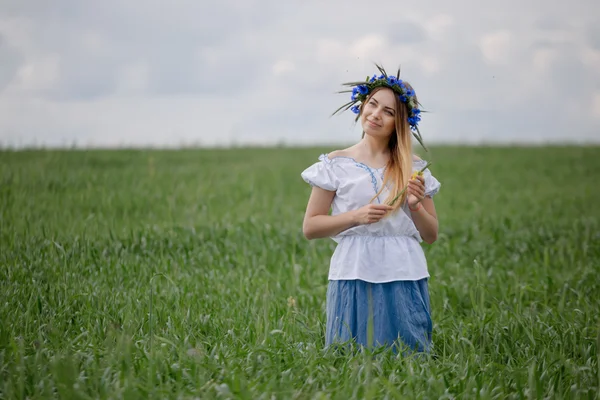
(399, 311)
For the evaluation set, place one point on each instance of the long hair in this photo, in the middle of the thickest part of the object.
(399, 167)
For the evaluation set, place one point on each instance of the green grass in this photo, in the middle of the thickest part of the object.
(184, 274)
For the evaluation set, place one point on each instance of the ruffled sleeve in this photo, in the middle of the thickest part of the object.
(432, 185)
(321, 174)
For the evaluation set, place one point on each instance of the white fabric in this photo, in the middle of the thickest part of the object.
(386, 251)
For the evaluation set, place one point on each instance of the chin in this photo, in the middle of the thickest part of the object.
(376, 133)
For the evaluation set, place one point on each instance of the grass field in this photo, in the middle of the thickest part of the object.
(184, 274)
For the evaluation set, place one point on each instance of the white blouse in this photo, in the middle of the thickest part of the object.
(386, 251)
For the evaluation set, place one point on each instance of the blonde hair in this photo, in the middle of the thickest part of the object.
(399, 167)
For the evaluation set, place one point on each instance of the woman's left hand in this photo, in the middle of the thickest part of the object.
(416, 191)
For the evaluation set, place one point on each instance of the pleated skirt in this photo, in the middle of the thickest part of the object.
(394, 314)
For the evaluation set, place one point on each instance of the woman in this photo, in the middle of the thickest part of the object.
(381, 211)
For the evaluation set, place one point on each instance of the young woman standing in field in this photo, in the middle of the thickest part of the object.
(382, 208)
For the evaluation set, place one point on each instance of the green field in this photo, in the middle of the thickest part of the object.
(184, 274)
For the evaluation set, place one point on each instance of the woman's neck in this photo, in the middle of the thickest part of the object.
(374, 148)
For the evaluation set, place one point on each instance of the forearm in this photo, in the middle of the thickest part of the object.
(426, 224)
(321, 226)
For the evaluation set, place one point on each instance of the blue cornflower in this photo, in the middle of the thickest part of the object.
(410, 92)
(403, 98)
(373, 78)
(355, 109)
(392, 80)
(416, 111)
(362, 89)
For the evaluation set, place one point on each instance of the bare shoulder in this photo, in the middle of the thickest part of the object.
(348, 152)
(340, 153)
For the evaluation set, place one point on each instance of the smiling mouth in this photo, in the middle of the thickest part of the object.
(373, 124)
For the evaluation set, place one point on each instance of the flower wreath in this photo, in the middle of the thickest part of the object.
(360, 91)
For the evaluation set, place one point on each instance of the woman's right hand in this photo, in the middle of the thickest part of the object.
(371, 213)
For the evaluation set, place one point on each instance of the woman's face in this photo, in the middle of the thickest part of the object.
(378, 117)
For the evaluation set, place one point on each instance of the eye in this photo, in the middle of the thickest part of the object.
(390, 113)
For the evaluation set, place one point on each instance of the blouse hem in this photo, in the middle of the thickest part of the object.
(376, 281)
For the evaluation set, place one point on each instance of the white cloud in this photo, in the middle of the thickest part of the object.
(281, 67)
(368, 46)
(438, 25)
(542, 59)
(430, 65)
(133, 78)
(596, 105)
(36, 76)
(591, 58)
(17, 31)
(264, 71)
(496, 47)
(94, 43)
(329, 50)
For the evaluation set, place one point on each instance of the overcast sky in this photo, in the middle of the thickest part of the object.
(148, 72)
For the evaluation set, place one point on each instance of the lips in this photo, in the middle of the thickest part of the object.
(373, 124)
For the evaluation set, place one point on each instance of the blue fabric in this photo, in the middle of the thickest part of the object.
(400, 314)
